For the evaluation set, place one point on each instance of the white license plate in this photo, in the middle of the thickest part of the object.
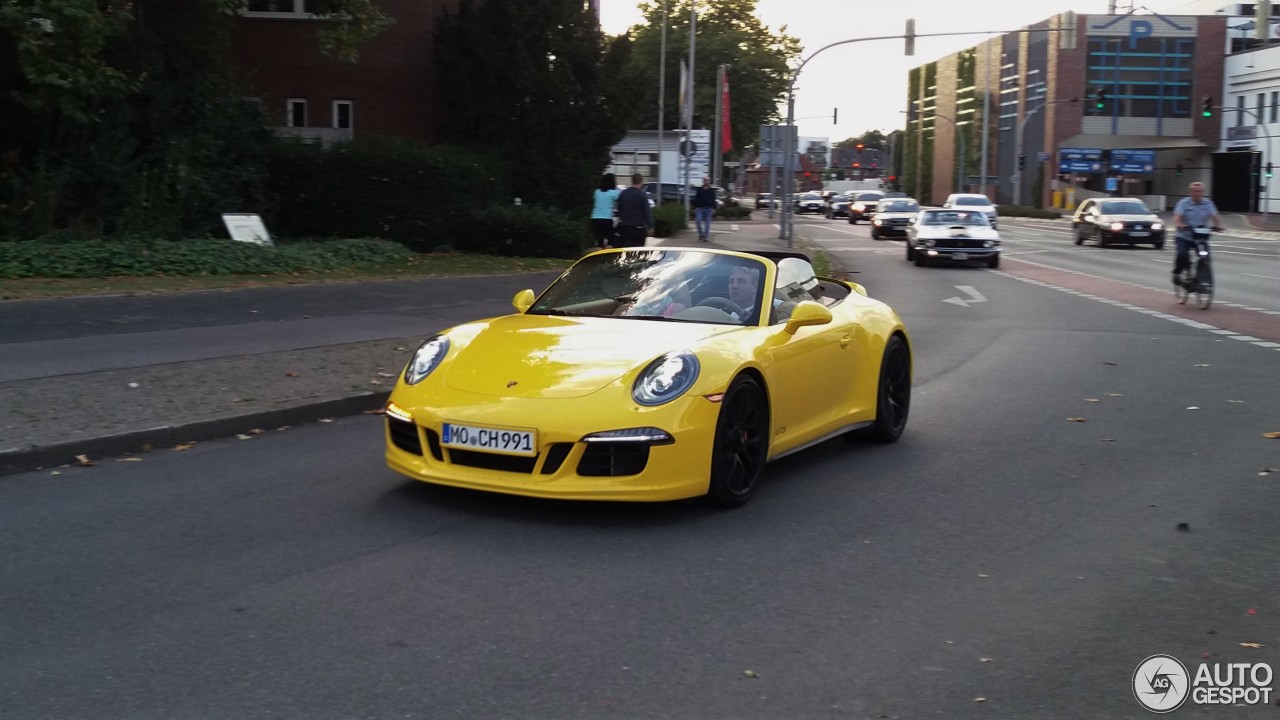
(959, 256)
(508, 441)
(1139, 233)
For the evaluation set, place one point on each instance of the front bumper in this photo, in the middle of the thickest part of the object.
(958, 254)
(1131, 236)
(565, 467)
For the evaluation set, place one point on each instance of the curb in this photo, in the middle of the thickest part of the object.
(19, 460)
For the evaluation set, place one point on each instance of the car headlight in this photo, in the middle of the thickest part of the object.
(666, 378)
(425, 359)
(1117, 226)
(877, 221)
(1157, 226)
(930, 242)
(989, 243)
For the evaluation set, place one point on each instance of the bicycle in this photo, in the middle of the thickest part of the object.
(1197, 277)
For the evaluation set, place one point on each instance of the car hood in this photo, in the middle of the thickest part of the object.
(542, 356)
(945, 231)
(894, 215)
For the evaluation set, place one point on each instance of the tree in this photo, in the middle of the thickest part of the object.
(121, 115)
(873, 139)
(532, 79)
(728, 32)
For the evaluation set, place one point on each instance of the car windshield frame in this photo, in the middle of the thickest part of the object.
(865, 196)
(1123, 207)
(948, 218)
(971, 201)
(656, 284)
(892, 205)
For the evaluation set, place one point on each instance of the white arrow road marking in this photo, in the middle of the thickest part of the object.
(974, 296)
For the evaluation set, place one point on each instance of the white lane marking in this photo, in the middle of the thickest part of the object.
(974, 296)
(1145, 311)
(1268, 277)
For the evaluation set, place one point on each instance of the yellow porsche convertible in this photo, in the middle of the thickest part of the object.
(652, 374)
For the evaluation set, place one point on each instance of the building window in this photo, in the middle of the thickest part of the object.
(1149, 77)
(296, 113)
(278, 8)
(342, 114)
(1240, 111)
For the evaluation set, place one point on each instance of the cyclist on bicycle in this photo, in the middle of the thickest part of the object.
(1192, 212)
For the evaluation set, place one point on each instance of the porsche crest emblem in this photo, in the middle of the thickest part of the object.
(512, 383)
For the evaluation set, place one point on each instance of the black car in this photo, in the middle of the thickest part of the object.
(1117, 220)
(838, 206)
(809, 203)
(863, 205)
(893, 216)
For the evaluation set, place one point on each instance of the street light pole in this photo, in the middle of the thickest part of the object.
(1017, 154)
(662, 95)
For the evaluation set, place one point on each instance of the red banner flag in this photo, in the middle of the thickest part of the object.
(726, 139)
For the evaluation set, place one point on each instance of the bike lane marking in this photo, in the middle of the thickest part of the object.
(1247, 324)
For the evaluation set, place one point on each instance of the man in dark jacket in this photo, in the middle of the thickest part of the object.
(704, 206)
(635, 216)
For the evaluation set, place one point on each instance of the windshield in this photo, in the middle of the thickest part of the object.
(971, 201)
(952, 217)
(898, 206)
(810, 198)
(680, 285)
(870, 196)
(1130, 207)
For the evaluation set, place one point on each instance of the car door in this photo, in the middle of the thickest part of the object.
(812, 380)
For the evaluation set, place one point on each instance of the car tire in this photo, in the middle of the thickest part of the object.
(740, 445)
(911, 252)
(1159, 245)
(874, 235)
(893, 393)
(1079, 238)
(993, 262)
(920, 261)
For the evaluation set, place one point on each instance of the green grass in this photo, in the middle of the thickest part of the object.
(426, 265)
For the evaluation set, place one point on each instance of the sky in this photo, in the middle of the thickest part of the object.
(868, 81)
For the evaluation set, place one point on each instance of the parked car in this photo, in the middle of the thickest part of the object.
(1117, 220)
(838, 206)
(810, 203)
(893, 216)
(939, 235)
(863, 205)
(974, 201)
(764, 200)
(653, 379)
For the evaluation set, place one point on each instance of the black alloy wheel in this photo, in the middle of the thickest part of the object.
(893, 398)
(740, 447)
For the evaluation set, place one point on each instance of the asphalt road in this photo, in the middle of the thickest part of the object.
(1000, 561)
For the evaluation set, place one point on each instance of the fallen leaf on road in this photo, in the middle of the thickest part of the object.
(245, 437)
(402, 348)
(1192, 407)
(1092, 400)
(1184, 527)
(184, 446)
(1251, 611)
(291, 373)
(255, 431)
(1272, 435)
(1202, 364)
(1253, 645)
(56, 472)
(385, 374)
(985, 659)
(1235, 401)
(326, 419)
(375, 382)
(979, 699)
(128, 459)
(1114, 395)
(133, 385)
(983, 575)
(1074, 419)
(1108, 439)
(84, 460)
(750, 673)
(1110, 362)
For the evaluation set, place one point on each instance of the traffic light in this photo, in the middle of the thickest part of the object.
(1268, 169)
(1178, 170)
(1022, 161)
(835, 113)
(807, 173)
(1206, 107)
(859, 146)
(1099, 99)
(893, 178)
(857, 164)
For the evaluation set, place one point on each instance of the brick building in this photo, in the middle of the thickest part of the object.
(391, 91)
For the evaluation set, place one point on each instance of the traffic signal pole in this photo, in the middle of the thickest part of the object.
(1018, 151)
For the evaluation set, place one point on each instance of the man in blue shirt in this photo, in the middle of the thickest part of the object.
(704, 206)
(1192, 212)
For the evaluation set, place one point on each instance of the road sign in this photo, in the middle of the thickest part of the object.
(1042, 157)
(1133, 162)
(1080, 160)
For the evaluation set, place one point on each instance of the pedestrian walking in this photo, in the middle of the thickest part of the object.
(635, 216)
(704, 207)
(603, 207)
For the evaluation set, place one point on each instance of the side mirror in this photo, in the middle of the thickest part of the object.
(523, 300)
(858, 289)
(807, 313)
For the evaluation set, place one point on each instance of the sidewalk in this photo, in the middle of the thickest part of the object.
(47, 422)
